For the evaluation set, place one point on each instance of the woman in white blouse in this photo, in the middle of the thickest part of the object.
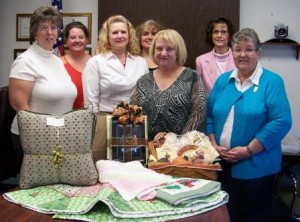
(110, 76)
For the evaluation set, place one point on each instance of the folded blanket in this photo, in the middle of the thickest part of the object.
(186, 189)
(131, 179)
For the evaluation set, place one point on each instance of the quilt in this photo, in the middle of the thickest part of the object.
(101, 202)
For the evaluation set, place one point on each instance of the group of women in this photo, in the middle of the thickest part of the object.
(245, 111)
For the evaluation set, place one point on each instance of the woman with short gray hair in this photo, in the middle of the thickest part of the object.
(248, 116)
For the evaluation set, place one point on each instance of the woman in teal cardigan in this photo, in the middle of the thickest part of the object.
(248, 116)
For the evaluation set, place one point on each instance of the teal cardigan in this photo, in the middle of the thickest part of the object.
(261, 112)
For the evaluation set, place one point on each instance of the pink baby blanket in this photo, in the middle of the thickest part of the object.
(131, 179)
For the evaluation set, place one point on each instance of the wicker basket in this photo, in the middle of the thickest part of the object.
(203, 171)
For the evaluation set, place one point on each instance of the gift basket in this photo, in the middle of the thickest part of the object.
(187, 155)
(127, 134)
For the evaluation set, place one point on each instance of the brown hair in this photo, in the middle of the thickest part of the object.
(44, 13)
(78, 25)
(210, 28)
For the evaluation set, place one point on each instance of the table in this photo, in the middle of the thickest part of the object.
(13, 212)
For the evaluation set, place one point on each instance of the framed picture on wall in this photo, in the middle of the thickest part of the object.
(18, 52)
(84, 18)
(23, 25)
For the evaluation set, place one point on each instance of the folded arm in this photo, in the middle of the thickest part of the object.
(20, 93)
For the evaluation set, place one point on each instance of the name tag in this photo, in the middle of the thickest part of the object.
(51, 121)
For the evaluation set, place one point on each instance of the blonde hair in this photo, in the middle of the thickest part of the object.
(176, 39)
(148, 23)
(103, 45)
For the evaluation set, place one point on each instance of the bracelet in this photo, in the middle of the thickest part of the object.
(250, 152)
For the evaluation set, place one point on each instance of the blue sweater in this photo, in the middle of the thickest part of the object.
(261, 112)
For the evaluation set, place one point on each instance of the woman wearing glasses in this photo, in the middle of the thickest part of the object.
(38, 80)
(248, 115)
(172, 96)
(219, 60)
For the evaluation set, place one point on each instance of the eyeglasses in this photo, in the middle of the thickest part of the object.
(216, 32)
(47, 28)
(248, 51)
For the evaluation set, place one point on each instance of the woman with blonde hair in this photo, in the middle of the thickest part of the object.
(110, 76)
(146, 32)
(172, 96)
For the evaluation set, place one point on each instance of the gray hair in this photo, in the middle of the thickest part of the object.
(246, 34)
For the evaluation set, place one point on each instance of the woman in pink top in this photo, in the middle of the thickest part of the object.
(76, 36)
(219, 60)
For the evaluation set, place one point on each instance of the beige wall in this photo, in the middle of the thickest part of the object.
(263, 15)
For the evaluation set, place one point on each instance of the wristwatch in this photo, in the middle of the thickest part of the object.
(250, 152)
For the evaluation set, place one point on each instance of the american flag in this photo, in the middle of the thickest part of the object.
(60, 40)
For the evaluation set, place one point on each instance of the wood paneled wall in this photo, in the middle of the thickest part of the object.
(188, 17)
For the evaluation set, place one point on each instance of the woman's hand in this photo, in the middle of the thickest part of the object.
(159, 136)
(238, 153)
(225, 154)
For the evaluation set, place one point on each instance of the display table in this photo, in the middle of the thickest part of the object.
(13, 212)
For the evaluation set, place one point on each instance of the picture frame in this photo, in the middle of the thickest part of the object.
(88, 50)
(84, 18)
(23, 26)
(18, 52)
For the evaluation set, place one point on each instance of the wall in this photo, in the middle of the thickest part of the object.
(262, 15)
(164, 11)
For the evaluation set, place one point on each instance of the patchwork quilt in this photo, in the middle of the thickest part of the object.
(101, 202)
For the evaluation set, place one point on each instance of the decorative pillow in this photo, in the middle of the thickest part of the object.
(57, 149)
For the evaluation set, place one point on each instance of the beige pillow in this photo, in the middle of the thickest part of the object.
(57, 149)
